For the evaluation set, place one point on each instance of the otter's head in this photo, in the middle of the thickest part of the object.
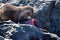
(26, 12)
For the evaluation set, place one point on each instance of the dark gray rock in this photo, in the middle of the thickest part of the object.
(24, 32)
(1, 38)
(43, 15)
(49, 36)
(19, 31)
(55, 18)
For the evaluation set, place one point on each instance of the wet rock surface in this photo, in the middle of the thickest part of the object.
(55, 18)
(46, 12)
(24, 32)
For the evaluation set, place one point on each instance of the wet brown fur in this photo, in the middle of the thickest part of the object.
(8, 11)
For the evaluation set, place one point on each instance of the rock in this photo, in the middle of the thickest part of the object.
(25, 32)
(50, 36)
(55, 18)
(29, 32)
(1, 38)
(44, 12)
(20, 31)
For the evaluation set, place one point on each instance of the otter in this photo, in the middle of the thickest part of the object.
(10, 12)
